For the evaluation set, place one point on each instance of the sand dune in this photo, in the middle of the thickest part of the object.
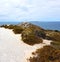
(13, 49)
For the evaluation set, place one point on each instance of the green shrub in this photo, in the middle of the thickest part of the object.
(56, 30)
(31, 40)
(46, 54)
(29, 37)
(17, 30)
(2, 26)
(54, 35)
(11, 26)
(56, 44)
(5, 26)
(40, 33)
(8, 26)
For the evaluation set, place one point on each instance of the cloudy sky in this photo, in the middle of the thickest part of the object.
(29, 10)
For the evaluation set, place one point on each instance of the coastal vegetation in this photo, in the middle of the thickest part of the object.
(32, 34)
(17, 30)
(29, 37)
(8, 26)
(46, 54)
(53, 35)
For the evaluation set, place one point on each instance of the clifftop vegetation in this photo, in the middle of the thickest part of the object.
(46, 54)
(32, 34)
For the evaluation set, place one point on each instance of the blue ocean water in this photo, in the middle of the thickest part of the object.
(2, 23)
(45, 25)
(48, 25)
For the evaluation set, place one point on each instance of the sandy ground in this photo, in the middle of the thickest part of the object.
(13, 49)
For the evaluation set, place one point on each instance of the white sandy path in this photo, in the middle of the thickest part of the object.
(13, 49)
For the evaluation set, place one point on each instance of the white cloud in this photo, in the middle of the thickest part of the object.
(29, 9)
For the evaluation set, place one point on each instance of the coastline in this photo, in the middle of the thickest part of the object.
(45, 25)
(12, 48)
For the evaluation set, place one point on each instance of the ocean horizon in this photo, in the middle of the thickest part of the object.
(45, 25)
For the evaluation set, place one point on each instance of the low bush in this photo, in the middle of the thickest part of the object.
(48, 38)
(5, 26)
(56, 44)
(8, 26)
(31, 40)
(46, 54)
(55, 36)
(40, 33)
(29, 37)
(17, 29)
(11, 26)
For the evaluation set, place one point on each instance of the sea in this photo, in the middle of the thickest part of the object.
(45, 25)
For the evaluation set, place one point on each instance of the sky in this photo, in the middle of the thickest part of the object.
(29, 10)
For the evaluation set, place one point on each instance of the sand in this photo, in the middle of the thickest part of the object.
(13, 49)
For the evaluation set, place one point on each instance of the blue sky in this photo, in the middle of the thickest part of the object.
(29, 10)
